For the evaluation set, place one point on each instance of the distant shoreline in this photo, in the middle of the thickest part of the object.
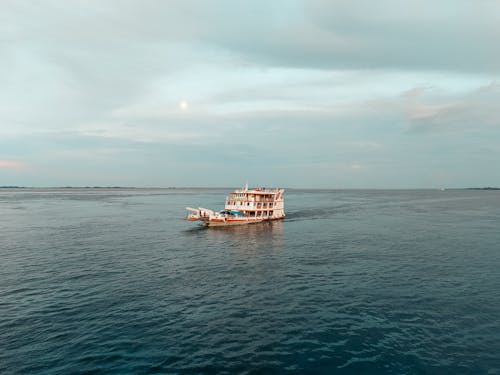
(483, 188)
(108, 187)
(74, 187)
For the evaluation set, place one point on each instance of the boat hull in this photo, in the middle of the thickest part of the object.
(233, 222)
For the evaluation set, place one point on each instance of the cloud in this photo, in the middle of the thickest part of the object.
(368, 91)
(475, 111)
(12, 164)
(446, 36)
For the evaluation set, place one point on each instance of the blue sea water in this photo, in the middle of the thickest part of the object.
(112, 281)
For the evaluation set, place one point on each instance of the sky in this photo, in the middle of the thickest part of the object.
(289, 93)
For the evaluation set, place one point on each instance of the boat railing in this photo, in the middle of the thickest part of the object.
(258, 190)
(241, 199)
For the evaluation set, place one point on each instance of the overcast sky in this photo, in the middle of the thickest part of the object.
(327, 94)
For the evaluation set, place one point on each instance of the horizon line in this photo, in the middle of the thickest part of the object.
(228, 187)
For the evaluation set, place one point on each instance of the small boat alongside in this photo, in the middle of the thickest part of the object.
(243, 206)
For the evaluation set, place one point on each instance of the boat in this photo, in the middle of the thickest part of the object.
(243, 206)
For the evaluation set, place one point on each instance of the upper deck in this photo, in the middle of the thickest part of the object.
(265, 203)
(255, 195)
(258, 191)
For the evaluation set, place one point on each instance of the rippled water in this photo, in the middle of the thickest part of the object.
(113, 281)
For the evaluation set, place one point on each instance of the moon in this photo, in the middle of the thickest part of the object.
(183, 105)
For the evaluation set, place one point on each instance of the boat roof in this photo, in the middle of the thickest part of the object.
(261, 191)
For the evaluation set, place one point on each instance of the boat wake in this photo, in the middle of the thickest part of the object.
(320, 213)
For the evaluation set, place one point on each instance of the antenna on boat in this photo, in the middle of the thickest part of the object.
(246, 185)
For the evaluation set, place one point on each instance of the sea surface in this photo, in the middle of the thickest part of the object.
(113, 281)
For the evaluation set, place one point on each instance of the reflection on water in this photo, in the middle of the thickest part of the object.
(248, 238)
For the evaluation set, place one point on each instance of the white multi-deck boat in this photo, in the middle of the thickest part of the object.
(244, 206)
